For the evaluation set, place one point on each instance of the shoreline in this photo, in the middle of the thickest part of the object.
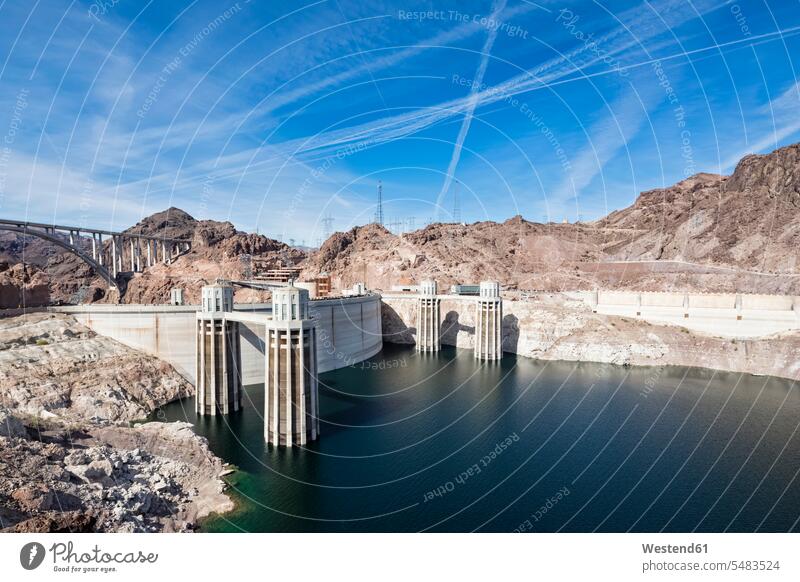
(237, 503)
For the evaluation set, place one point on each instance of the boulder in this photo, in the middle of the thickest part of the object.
(99, 470)
(10, 425)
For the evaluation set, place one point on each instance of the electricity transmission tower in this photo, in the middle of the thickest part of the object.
(327, 224)
(379, 210)
(456, 205)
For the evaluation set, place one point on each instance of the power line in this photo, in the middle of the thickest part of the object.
(395, 226)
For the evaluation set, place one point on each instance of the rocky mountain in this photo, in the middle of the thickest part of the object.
(23, 285)
(516, 252)
(707, 233)
(64, 277)
(749, 220)
(218, 251)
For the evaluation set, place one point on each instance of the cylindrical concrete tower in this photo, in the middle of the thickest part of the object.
(176, 296)
(489, 322)
(291, 401)
(218, 354)
(428, 318)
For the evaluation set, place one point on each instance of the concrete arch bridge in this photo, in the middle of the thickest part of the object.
(135, 251)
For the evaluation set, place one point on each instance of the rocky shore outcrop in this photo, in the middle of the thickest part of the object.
(55, 368)
(69, 459)
(154, 477)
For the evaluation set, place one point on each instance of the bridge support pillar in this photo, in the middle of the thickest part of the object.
(489, 322)
(291, 399)
(428, 318)
(218, 354)
(114, 255)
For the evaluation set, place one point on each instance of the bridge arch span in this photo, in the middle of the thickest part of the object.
(98, 268)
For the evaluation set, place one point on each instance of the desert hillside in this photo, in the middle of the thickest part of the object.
(708, 233)
(218, 250)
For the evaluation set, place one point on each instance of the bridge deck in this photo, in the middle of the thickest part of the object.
(81, 229)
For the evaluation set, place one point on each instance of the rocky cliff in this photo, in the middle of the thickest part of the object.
(218, 251)
(706, 233)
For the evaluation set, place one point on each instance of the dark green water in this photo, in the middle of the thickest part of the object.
(519, 444)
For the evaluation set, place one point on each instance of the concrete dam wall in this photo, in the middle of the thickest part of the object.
(348, 331)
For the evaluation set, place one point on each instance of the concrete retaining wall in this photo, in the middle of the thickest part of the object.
(617, 298)
(712, 301)
(348, 331)
(695, 300)
(662, 300)
(722, 314)
(554, 326)
(769, 302)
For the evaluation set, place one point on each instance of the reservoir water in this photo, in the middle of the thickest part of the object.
(414, 442)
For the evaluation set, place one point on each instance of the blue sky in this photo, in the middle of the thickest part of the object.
(276, 114)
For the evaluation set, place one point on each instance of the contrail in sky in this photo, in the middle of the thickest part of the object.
(471, 104)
